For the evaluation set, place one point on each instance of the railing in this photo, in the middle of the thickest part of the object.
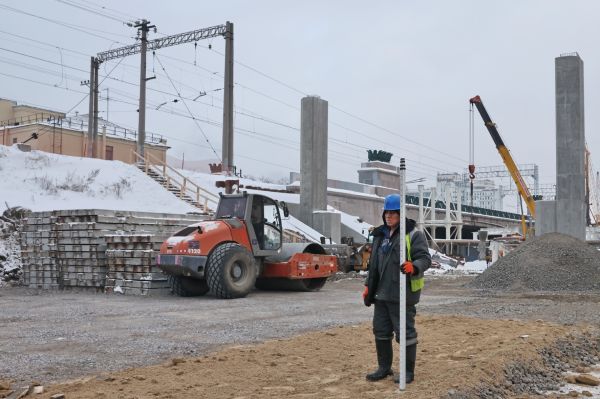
(185, 185)
(32, 118)
(79, 123)
(414, 200)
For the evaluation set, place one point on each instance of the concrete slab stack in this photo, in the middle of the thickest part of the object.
(38, 249)
(131, 265)
(80, 248)
(97, 249)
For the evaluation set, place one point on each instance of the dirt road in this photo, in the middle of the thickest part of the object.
(60, 336)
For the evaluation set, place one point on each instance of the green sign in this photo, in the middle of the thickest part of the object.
(379, 155)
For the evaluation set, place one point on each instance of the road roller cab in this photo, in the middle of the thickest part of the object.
(242, 248)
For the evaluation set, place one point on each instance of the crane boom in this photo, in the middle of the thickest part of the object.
(505, 154)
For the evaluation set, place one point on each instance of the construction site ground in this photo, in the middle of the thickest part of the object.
(275, 344)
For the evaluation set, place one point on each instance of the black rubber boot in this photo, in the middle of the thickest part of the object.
(411, 359)
(385, 355)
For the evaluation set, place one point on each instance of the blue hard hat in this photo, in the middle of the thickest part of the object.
(391, 202)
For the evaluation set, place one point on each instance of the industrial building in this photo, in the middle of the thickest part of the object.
(54, 132)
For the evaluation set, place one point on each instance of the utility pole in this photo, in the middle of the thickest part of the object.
(107, 99)
(88, 142)
(227, 147)
(95, 141)
(167, 41)
(143, 27)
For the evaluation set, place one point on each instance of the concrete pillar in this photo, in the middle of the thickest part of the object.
(545, 217)
(447, 219)
(313, 157)
(570, 147)
(421, 219)
(329, 224)
(432, 201)
(482, 236)
(459, 218)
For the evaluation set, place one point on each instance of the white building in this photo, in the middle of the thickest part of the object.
(485, 192)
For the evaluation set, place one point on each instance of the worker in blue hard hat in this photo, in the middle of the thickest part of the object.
(382, 287)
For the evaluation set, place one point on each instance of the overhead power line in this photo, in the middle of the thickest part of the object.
(79, 28)
(95, 12)
(188, 108)
(108, 10)
(394, 134)
(87, 95)
(290, 87)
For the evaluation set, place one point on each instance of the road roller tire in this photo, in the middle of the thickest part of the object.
(231, 271)
(314, 284)
(284, 284)
(187, 286)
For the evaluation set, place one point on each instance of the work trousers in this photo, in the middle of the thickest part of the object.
(386, 321)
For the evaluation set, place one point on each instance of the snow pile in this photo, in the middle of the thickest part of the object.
(293, 224)
(352, 222)
(42, 181)
(445, 265)
(10, 251)
(10, 258)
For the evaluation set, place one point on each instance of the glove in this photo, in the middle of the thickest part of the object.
(408, 268)
(365, 296)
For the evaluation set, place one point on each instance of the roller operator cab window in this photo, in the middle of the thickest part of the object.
(266, 222)
(232, 208)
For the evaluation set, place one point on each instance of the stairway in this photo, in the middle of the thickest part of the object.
(179, 185)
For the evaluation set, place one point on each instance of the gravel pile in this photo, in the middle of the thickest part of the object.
(552, 262)
(523, 379)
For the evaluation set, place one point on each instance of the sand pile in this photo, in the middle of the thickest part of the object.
(552, 262)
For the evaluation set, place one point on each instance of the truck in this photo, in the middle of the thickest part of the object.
(242, 248)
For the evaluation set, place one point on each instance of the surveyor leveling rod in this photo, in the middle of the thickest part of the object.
(402, 309)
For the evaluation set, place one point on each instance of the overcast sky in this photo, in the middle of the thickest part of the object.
(397, 75)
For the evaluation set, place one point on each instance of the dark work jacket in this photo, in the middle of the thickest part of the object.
(384, 280)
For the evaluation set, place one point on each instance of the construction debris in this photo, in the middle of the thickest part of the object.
(552, 262)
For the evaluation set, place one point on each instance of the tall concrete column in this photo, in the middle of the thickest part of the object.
(459, 218)
(545, 217)
(432, 216)
(432, 201)
(313, 157)
(570, 147)
(421, 220)
(447, 219)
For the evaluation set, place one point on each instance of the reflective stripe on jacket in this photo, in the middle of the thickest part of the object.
(416, 284)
